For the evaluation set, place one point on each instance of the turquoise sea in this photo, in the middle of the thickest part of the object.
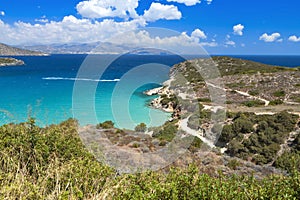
(43, 89)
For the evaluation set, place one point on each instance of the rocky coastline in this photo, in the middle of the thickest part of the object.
(10, 62)
(163, 101)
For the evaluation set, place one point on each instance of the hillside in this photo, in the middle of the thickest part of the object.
(247, 84)
(258, 127)
(52, 163)
(6, 50)
(262, 105)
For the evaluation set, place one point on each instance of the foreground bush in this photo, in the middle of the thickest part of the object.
(52, 163)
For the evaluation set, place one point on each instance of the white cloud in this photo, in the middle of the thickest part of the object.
(88, 29)
(186, 2)
(177, 43)
(159, 11)
(209, 44)
(70, 29)
(197, 34)
(270, 38)
(209, 1)
(238, 29)
(42, 20)
(229, 43)
(107, 8)
(294, 38)
(2, 13)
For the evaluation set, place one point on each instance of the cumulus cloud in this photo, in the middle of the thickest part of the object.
(70, 29)
(186, 2)
(198, 34)
(2, 13)
(294, 38)
(107, 8)
(270, 38)
(88, 28)
(238, 29)
(159, 11)
(180, 43)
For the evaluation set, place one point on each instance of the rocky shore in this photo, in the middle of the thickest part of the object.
(165, 101)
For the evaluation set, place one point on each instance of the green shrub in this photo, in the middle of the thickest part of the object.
(233, 164)
(275, 102)
(279, 93)
(106, 125)
(253, 103)
(254, 92)
(142, 127)
(167, 133)
(208, 100)
(52, 163)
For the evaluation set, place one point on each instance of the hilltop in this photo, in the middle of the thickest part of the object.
(6, 50)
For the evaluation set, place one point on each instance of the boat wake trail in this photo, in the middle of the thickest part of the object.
(80, 79)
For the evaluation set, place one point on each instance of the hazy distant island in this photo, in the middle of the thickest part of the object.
(6, 50)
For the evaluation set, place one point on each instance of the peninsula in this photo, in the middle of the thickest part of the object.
(255, 130)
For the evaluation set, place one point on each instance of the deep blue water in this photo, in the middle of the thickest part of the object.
(285, 61)
(44, 88)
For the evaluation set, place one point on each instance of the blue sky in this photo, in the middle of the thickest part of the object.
(220, 26)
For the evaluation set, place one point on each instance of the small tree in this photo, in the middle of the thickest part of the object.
(142, 127)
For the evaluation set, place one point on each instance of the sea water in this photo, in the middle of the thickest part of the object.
(43, 89)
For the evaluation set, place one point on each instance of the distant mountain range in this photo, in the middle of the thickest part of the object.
(93, 48)
(77, 48)
(6, 50)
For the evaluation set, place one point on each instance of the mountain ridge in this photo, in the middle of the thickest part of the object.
(6, 50)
